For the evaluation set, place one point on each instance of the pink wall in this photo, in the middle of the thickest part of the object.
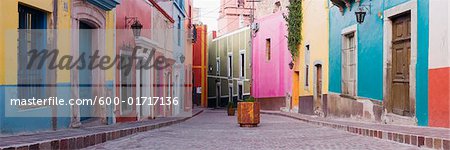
(124, 36)
(271, 78)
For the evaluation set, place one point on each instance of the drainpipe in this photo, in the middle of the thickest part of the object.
(51, 77)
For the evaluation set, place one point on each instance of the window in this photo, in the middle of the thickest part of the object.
(242, 64)
(277, 6)
(179, 30)
(230, 65)
(349, 65)
(217, 66)
(307, 75)
(241, 3)
(32, 35)
(307, 62)
(126, 81)
(241, 91)
(268, 49)
(230, 93)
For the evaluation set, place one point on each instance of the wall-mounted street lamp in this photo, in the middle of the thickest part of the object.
(210, 69)
(291, 65)
(136, 26)
(361, 12)
(182, 58)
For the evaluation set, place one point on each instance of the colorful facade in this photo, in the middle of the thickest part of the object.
(311, 66)
(229, 68)
(266, 7)
(270, 62)
(233, 15)
(182, 69)
(187, 85)
(200, 66)
(53, 25)
(155, 26)
(378, 70)
(438, 65)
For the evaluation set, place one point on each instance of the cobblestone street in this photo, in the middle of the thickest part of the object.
(215, 130)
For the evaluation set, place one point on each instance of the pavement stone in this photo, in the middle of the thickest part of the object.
(213, 129)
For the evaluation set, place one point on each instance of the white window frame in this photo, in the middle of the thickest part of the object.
(350, 30)
(268, 52)
(240, 83)
(218, 66)
(230, 65)
(230, 92)
(121, 110)
(307, 65)
(242, 61)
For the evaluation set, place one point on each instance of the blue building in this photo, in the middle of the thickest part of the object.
(378, 67)
(180, 77)
(31, 29)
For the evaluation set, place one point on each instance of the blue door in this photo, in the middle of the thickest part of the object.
(85, 74)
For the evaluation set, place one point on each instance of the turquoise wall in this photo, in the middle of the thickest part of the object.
(370, 52)
(422, 62)
(23, 120)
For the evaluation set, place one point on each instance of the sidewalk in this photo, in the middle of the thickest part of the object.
(85, 137)
(437, 138)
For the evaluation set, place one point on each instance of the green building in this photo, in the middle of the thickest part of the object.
(229, 72)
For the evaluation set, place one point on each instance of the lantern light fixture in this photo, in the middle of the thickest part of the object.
(291, 65)
(182, 58)
(362, 12)
(136, 26)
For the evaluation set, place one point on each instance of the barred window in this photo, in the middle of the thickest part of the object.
(349, 65)
(32, 36)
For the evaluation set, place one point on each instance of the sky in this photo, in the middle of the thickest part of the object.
(209, 12)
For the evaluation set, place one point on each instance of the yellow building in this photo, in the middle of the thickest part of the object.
(48, 25)
(311, 67)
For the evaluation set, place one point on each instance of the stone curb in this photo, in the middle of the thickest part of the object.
(405, 138)
(83, 141)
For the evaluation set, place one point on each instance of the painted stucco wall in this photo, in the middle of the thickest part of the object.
(276, 70)
(370, 52)
(439, 64)
(229, 19)
(422, 62)
(369, 55)
(25, 122)
(314, 34)
(143, 13)
(219, 48)
(266, 7)
(200, 64)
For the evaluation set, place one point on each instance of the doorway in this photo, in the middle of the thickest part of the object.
(85, 73)
(401, 61)
(318, 89)
(218, 93)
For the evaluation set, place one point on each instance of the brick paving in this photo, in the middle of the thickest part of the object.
(84, 137)
(436, 138)
(215, 130)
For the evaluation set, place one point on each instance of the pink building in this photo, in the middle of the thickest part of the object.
(234, 14)
(271, 73)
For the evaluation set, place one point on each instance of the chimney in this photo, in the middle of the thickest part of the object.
(214, 34)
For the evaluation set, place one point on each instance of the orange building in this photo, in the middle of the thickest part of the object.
(200, 66)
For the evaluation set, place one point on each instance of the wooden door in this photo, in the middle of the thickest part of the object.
(318, 102)
(401, 50)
